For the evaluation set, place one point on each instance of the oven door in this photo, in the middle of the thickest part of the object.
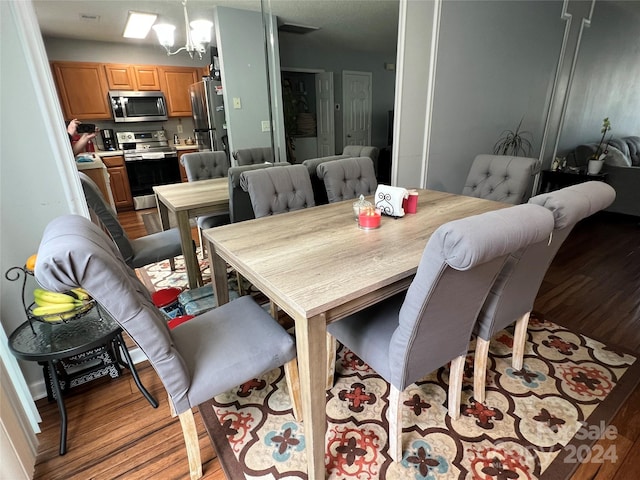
(144, 174)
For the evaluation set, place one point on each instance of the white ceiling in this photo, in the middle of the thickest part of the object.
(366, 25)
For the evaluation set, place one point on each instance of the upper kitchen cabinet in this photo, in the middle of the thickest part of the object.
(146, 77)
(174, 82)
(83, 88)
(132, 77)
(120, 77)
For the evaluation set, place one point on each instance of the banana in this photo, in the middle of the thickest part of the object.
(81, 293)
(45, 297)
(54, 309)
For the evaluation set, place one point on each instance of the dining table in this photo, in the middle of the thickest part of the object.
(188, 200)
(318, 266)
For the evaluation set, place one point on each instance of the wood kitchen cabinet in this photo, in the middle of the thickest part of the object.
(174, 82)
(132, 77)
(83, 88)
(183, 172)
(120, 77)
(146, 77)
(119, 181)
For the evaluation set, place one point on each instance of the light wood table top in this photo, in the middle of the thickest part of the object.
(187, 200)
(318, 266)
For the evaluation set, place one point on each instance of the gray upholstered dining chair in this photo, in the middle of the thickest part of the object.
(278, 190)
(240, 208)
(319, 192)
(363, 151)
(208, 355)
(136, 252)
(514, 291)
(348, 178)
(410, 335)
(501, 178)
(203, 166)
(253, 156)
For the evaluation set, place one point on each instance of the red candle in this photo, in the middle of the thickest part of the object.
(369, 218)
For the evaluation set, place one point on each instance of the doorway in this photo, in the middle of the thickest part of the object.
(307, 99)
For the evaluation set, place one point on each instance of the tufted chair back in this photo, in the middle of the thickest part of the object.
(139, 251)
(278, 190)
(501, 178)
(240, 208)
(205, 165)
(319, 192)
(348, 178)
(253, 156)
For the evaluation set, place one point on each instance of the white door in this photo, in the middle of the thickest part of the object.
(325, 123)
(356, 93)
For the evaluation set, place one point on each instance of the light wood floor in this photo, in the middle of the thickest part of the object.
(592, 287)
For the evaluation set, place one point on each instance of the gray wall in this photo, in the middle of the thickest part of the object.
(297, 52)
(241, 46)
(496, 62)
(606, 77)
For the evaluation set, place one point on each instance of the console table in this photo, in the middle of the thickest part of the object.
(551, 180)
(95, 340)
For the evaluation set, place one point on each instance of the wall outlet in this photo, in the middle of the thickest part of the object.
(266, 126)
(179, 128)
(236, 102)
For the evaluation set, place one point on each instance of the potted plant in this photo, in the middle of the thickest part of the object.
(597, 159)
(516, 143)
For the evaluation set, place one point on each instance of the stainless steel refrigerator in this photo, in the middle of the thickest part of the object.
(209, 122)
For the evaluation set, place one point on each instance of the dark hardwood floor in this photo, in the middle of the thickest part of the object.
(592, 286)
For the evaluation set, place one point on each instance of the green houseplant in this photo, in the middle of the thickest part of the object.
(516, 143)
(597, 159)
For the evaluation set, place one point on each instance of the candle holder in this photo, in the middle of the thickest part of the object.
(369, 218)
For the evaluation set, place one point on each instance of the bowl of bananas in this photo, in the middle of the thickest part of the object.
(54, 307)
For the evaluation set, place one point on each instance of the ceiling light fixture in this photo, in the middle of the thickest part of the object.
(139, 24)
(198, 36)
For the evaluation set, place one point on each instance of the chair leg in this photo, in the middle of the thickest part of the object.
(172, 409)
(332, 346)
(239, 280)
(190, 433)
(455, 386)
(172, 264)
(395, 424)
(519, 341)
(480, 369)
(204, 250)
(293, 383)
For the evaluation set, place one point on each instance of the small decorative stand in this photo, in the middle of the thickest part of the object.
(81, 346)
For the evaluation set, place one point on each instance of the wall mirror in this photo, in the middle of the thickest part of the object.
(350, 40)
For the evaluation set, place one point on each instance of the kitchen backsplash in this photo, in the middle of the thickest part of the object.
(171, 126)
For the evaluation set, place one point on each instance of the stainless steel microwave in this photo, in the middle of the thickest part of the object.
(130, 106)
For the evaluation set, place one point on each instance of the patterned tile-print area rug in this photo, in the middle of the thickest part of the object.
(159, 275)
(539, 422)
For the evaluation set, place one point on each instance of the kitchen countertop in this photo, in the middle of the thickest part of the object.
(108, 153)
(111, 153)
(96, 163)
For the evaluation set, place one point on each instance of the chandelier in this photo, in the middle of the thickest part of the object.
(198, 35)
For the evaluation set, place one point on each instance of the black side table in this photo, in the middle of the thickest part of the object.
(551, 180)
(49, 344)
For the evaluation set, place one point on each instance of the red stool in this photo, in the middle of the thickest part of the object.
(166, 300)
(174, 322)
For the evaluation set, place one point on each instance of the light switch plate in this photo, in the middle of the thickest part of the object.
(236, 102)
(266, 126)
(179, 128)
